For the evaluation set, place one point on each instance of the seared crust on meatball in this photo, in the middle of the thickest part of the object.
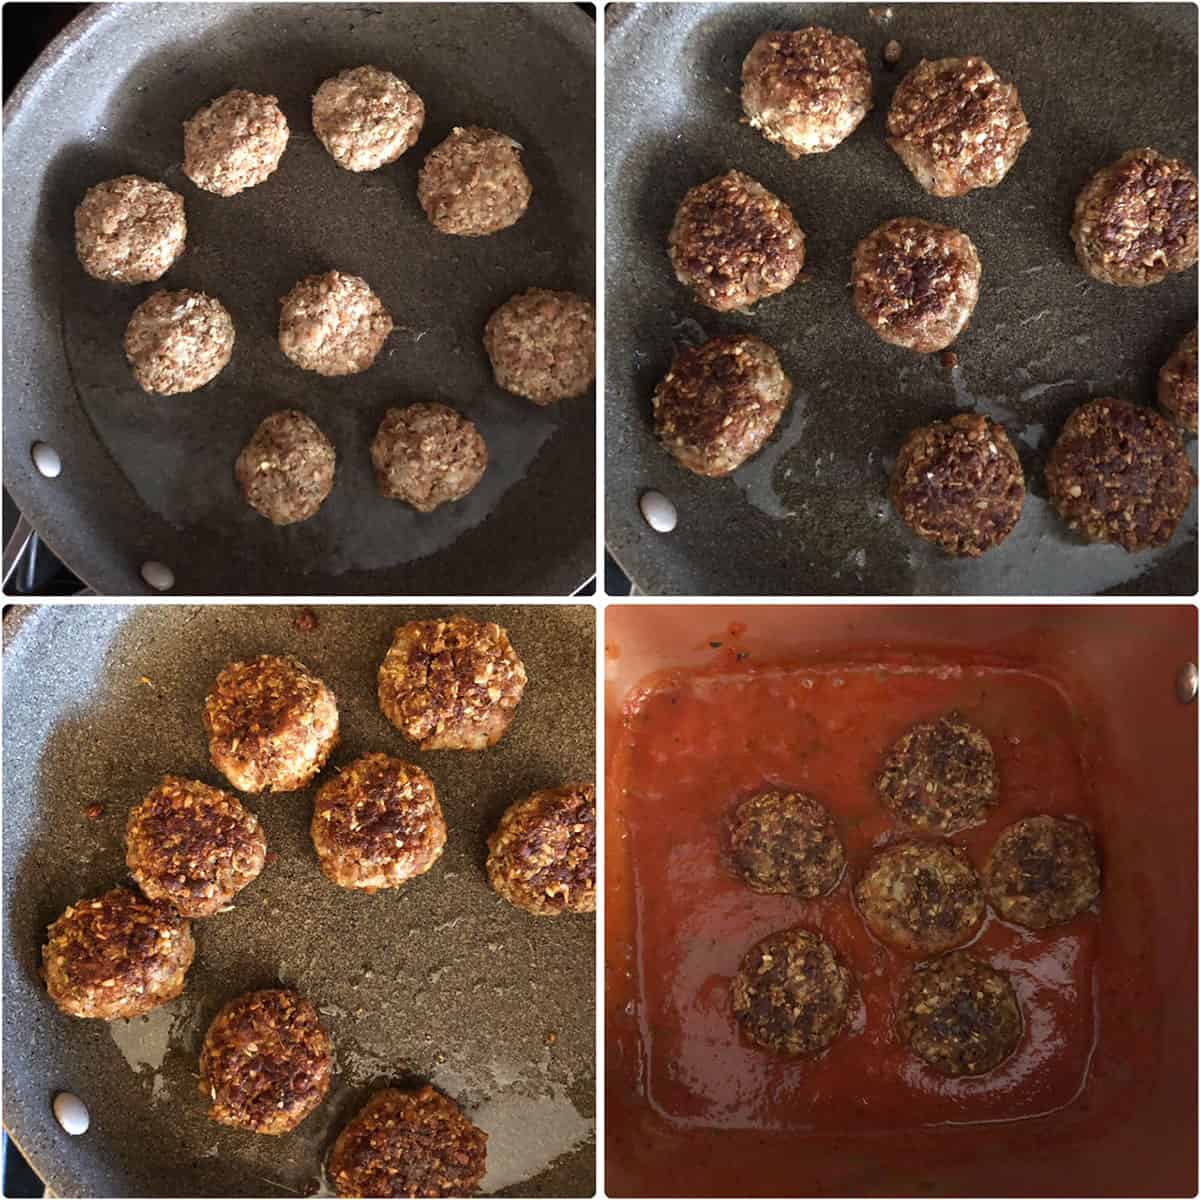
(922, 897)
(734, 243)
(235, 142)
(178, 341)
(956, 125)
(1177, 385)
(194, 846)
(542, 855)
(271, 724)
(785, 842)
(266, 1062)
(286, 470)
(959, 484)
(542, 345)
(119, 955)
(1118, 473)
(377, 824)
(451, 684)
(1042, 871)
(366, 117)
(960, 1015)
(473, 184)
(333, 324)
(129, 230)
(408, 1144)
(792, 993)
(1135, 220)
(806, 89)
(720, 402)
(427, 455)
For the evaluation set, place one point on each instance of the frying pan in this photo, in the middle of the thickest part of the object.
(439, 980)
(149, 478)
(809, 513)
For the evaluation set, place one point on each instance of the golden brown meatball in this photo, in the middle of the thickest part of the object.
(1177, 392)
(785, 842)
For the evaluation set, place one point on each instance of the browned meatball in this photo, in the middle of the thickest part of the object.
(956, 125)
(178, 341)
(235, 142)
(194, 846)
(333, 324)
(119, 955)
(473, 184)
(129, 230)
(1118, 473)
(1177, 385)
(785, 842)
(377, 824)
(266, 1062)
(734, 243)
(1042, 871)
(286, 470)
(542, 345)
(720, 402)
(408, 1144)
(1135, 220)
(366, 117)
(427, 455)
(451, 684)
(542, 856)
(271, 724)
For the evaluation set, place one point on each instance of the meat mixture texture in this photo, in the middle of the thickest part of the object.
(542, 345)
(473, 184)
(333, 324)
(427, 455)
(785, 842)
(285, 472)
(235, 142)
(178, 341)
(1177, 385)
(366, 117)
(129, 230)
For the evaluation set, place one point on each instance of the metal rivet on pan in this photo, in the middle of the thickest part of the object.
(46, 459)
(71, 1113)
(659, 512)
(158, 576)
(1185, 683)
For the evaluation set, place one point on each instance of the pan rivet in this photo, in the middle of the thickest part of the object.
(71, 1113)
(158, 576)
(1185, 683)
(659, 512)
(46, 459)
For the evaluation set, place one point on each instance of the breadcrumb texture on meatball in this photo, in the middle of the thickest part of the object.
(785, 842)
(178, 341)
(427, 455)
(129, 230)
(542, 345)
(473, 184)
(1177, 395)
(333, 324)
(235, 142)
(285, 472)
(367, 117)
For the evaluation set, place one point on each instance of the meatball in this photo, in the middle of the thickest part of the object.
(734, 243)
(451, 684)
(922, 897)
(234, 142)
(271, 724)
(377, 824)
(178, 341)
(916, 283)
(959, 484)
(408, 1144)
(792, 993)
(333, 324)
(427, 455)
(286, 470)
(1177, 385)
(1135, 220)
(959, 1015)
(1118, 473)
(940, 777)
(129, 230)
(473, 184)
(542, 855)
(366, 118)
(117, 956)
(785, 842)
(956, 125)
(266, 1062)
(194, 846)
(542, 345)
(806, 89)
(720, 402)
(1042, 871)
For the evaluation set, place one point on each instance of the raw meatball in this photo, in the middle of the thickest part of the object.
(377, 824)
(960, 1015)
(286, 470)
(806, 89)
(473, 183)
(1118, 473)
(427, 455)
(451, 684)
(119, 955)
(923, 897)
(366, 117)
(959, 484)
(266, 1062)
(1135, 220)
(785, 842)
(194, 846)
(542, 856)
(178, 341)
(792, 993)
(734, 243)
(408, 1144)
(542, 345)
(234, 143)
(1177, 385)
(956, 125)
(271, 724)
(720, 402)
(129, 230)
(1042, 871)
(940, 777)
(916, 283)
(333, 324)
